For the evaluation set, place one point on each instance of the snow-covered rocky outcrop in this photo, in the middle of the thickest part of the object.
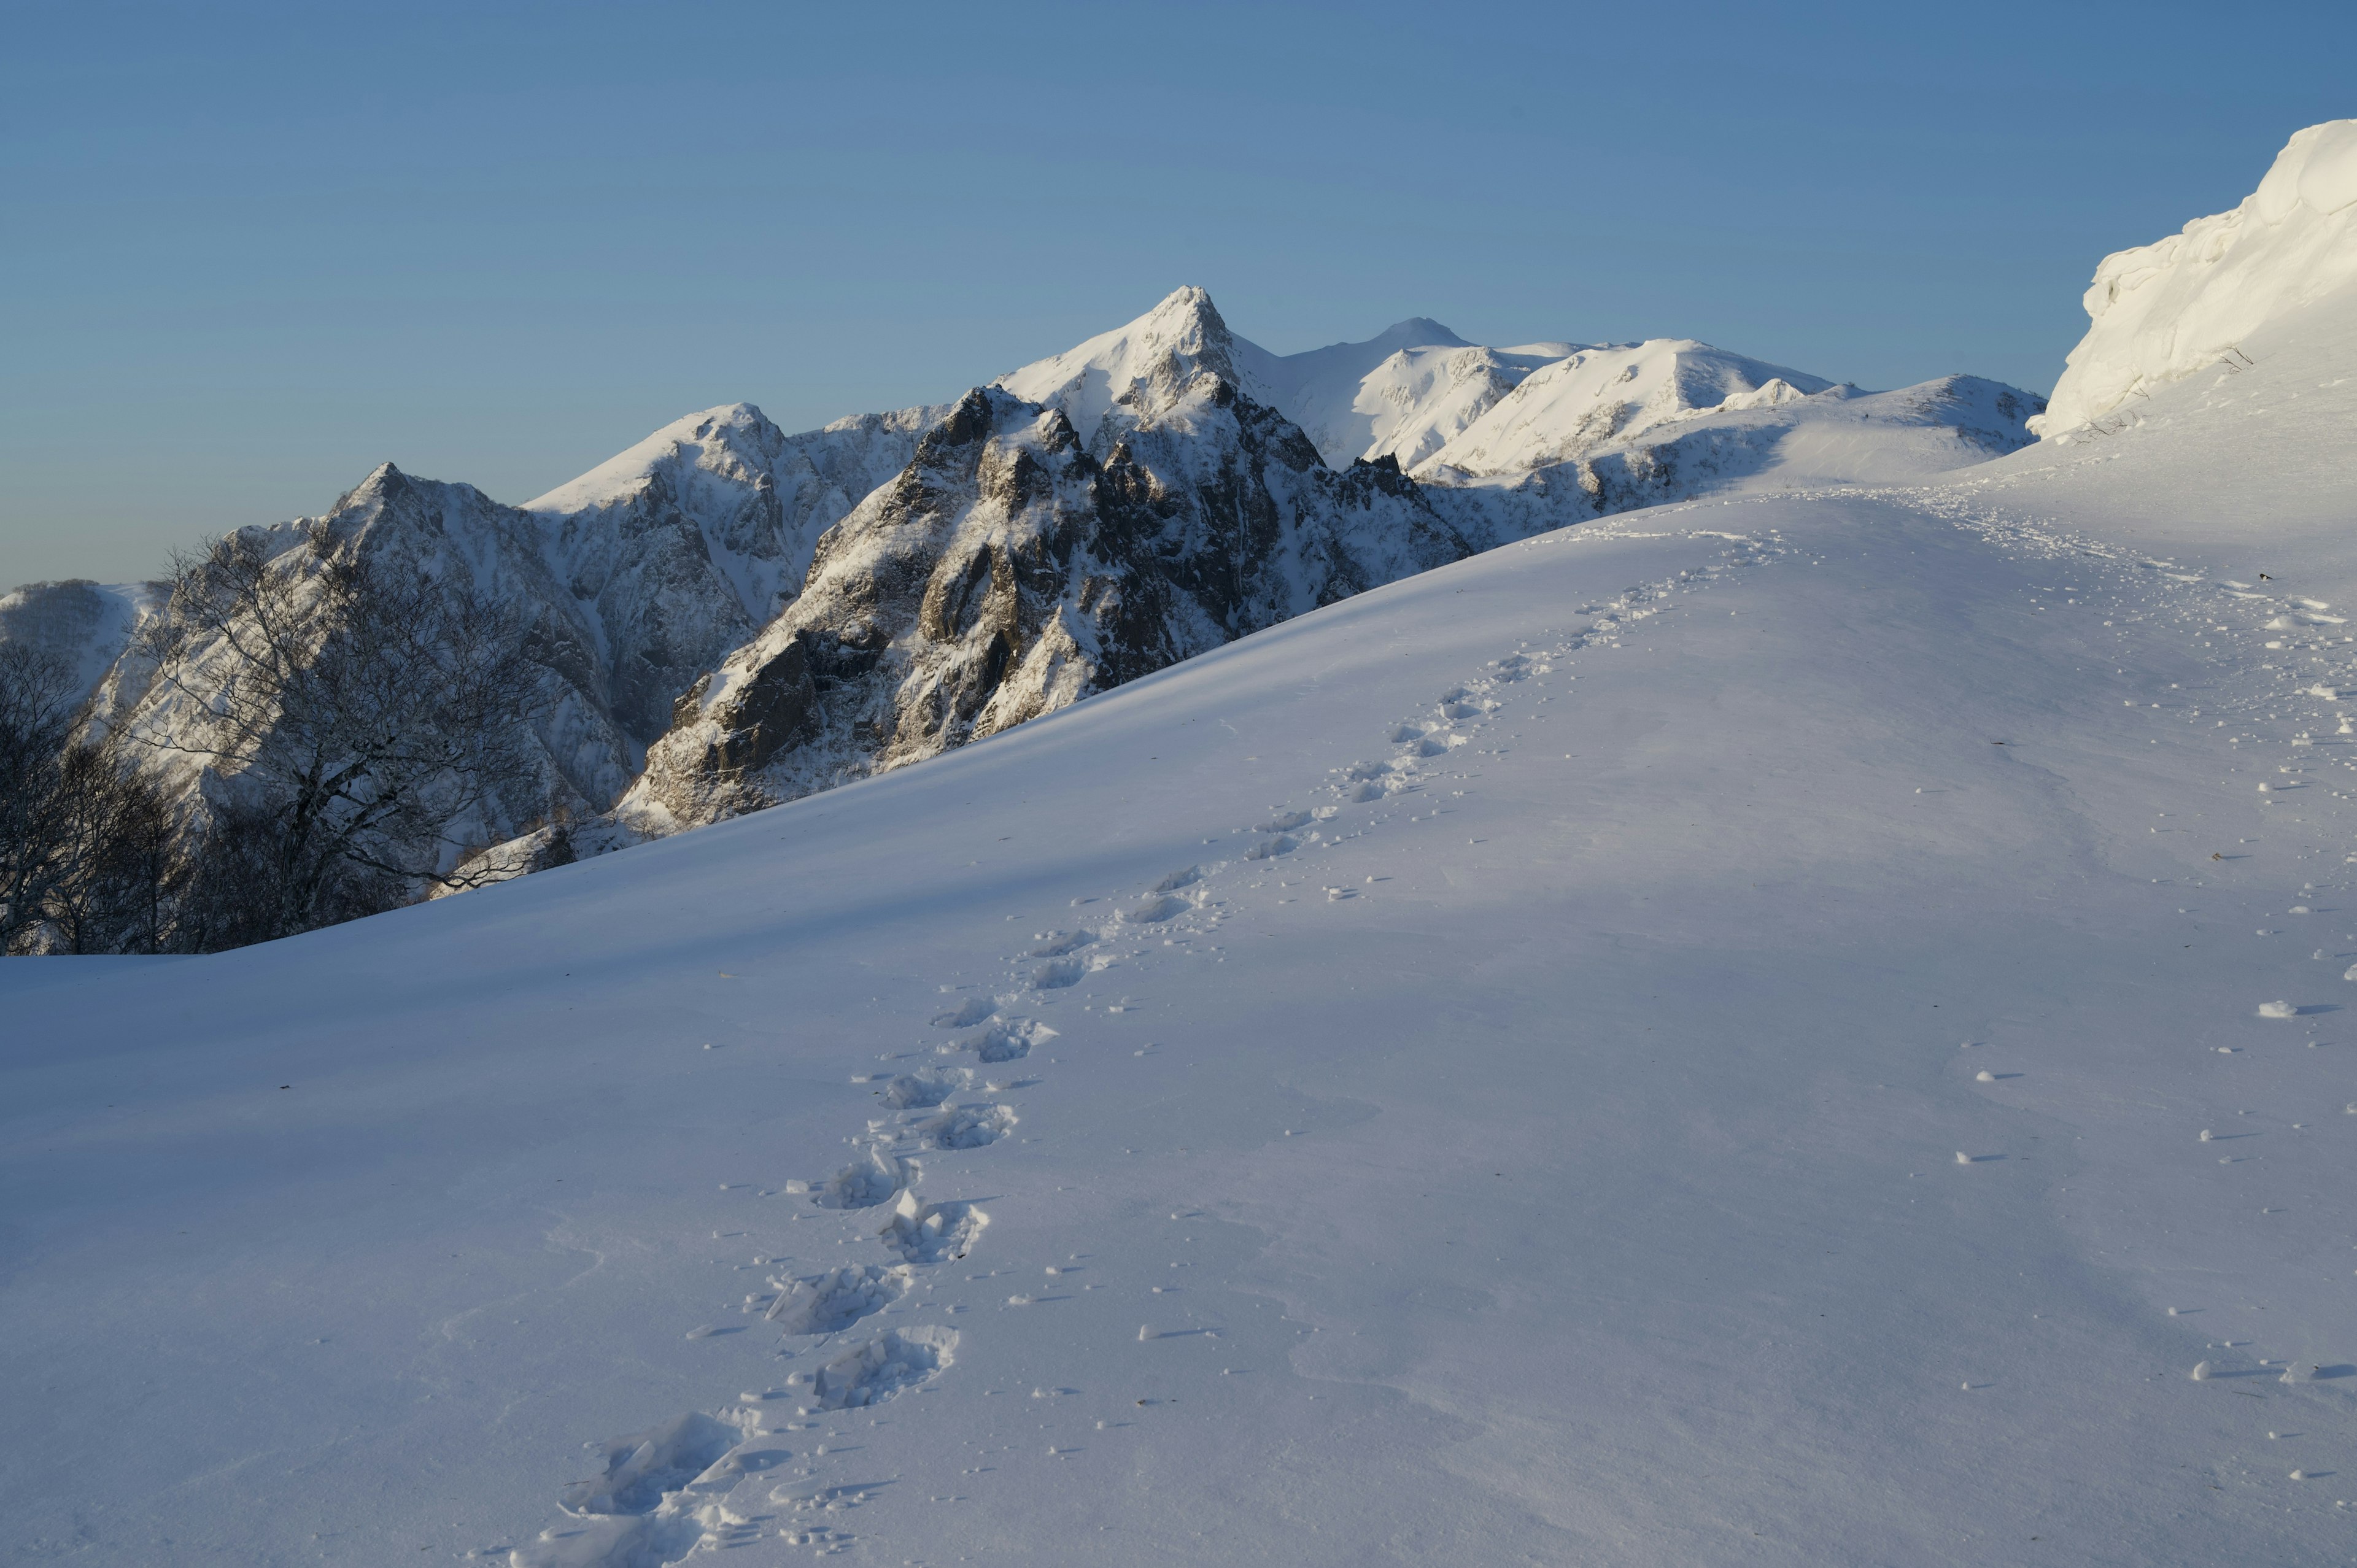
(1154, 492)
(1136, 508)
(2161, 312)
(629, 583)
(427, 530)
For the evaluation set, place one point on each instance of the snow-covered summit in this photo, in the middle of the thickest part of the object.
(2160, 312)
(1320, 389)
(1142, 368)
(1564, 411)
(733, 436)
(1418, 400)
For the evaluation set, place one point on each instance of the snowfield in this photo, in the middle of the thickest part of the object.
(1793, 1029)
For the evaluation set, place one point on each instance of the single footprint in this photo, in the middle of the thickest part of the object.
(1007, 1040)
(1056, 944)
(1057, 974)
(928, 1232)
(1284, 823)
(925, 1087)
(833, 1301)
(1151, 910)
(1269, 849)
(967, 1014)
(639, 1469)
(866, 1182)
(965, 1127)
(893, 1363)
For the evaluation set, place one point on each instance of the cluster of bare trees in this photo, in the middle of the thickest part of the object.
(324, 735)
(87, 861)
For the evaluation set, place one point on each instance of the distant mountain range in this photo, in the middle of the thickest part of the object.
(726, 616)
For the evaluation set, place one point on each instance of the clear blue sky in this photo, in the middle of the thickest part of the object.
(247, 252)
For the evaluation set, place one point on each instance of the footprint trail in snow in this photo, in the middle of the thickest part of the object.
(664, 1493)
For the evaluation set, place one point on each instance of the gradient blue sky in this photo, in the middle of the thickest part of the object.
(247, 251)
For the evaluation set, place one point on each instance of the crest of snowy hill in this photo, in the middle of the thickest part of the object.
(2163, 312)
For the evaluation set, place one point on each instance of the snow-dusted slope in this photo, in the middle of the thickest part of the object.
(630, 584)
(84, 625)
(1617, 394)
(684, 545)
(1416, 402)
(412, 529)
(1781, 1029)
(2163, 312)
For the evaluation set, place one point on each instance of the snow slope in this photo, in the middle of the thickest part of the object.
(85, 624)
(1450, 1078)
(2168, 310)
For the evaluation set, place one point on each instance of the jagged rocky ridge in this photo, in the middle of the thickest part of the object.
(726, 616)
(1015, 567)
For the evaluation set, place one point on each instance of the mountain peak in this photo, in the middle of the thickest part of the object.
(1161, 351)
(1421, 332)
(739, 427)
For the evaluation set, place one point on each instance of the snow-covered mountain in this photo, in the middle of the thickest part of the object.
(1018, 565)
(84, 625)
(727, 614)
(1585, 430)
(1170, 501)
(1451, 1077)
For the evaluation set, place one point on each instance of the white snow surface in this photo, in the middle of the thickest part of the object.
(2163, 312)
(1725, 1035)
(1618, 392)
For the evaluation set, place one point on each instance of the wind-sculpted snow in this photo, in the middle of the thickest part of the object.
(2163, 312)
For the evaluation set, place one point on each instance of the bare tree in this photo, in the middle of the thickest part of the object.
(88, 862)
(36, 710)
(357, 722)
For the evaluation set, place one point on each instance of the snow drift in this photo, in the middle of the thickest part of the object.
(2161, 312)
